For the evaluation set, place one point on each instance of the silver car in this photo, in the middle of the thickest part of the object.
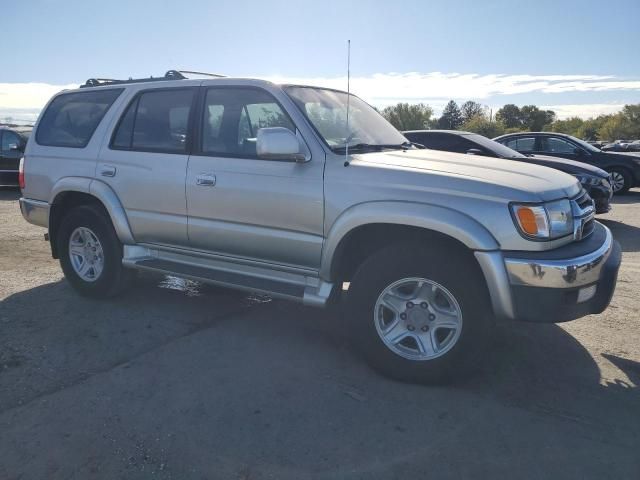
(296, 191)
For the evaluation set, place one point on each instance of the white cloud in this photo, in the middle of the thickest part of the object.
(384, 89)
(587, 110)
(28, 95)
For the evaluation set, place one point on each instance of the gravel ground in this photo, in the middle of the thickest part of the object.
(176, 380)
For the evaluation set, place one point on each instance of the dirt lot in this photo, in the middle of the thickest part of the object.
(176, 380)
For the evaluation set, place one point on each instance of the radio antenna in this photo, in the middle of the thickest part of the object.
(348, 137)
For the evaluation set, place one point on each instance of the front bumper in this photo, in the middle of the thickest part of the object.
(556, 285)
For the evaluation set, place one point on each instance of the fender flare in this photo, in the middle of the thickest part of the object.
(105, 194)
(452, 223)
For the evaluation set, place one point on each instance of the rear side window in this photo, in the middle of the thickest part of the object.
(157, 120)
(71, 118)
(9, 140)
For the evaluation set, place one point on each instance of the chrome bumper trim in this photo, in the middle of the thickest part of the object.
(567, 273)
(35, 211)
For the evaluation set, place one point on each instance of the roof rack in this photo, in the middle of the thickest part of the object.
(170, 75)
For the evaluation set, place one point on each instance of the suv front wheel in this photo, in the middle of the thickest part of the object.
(90, 253)
(419, 315)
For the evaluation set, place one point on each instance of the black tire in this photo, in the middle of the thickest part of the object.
(461, 278)
(628, 179)
(114, 277)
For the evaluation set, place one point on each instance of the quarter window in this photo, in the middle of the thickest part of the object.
(71, 118)
(156, 121)
(232, 118)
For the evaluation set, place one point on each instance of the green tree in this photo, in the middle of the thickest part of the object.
(451, 118)
(480, 124)
(535, 119)
(570, 126)
(632, 113)
(471, 109)
(616, 127)
(404, 116)
(510, 116)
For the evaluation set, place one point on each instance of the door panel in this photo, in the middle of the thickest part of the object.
(257, 209)
(260, 209)
(146, 165)
(151, 189)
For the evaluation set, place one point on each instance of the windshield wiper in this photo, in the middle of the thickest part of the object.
(376, 147)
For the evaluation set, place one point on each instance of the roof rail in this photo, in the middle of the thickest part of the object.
(170, 75)
(206, 74)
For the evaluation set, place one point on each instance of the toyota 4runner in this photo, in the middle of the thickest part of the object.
(303, 192)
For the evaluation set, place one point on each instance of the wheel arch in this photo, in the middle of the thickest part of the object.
(364, 228)
(72, 192)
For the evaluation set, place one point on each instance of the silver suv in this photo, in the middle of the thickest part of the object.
(271, 188)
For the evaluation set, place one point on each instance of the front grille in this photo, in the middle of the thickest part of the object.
(583, 215)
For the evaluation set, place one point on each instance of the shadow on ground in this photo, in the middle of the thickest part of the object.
(183, 383)
(632, 196)
(627, 235)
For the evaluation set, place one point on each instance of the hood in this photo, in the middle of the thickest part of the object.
(565, 165)
(491, 176)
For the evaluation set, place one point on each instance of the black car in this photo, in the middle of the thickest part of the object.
(624, 167)
(12, 143)
(621, 147)
(595, 180)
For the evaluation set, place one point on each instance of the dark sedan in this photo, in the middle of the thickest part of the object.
(594, 180)
(624, 167)
(12, 143)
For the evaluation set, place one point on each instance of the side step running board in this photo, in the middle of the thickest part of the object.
(205, 268)
(231, 279)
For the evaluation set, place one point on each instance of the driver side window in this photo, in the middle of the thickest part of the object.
(232, 118)
(557, 145)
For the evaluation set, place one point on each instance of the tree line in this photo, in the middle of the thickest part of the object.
(474, 117)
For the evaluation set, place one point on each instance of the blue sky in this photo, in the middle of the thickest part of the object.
(579, 54)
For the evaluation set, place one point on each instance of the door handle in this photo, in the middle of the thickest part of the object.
(108, 171)
(206, 180)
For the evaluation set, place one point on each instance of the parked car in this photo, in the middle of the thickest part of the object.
(597, 143)
(622, 146)
(263, 187)
(595, 180)
(624, 168)
(12, 144)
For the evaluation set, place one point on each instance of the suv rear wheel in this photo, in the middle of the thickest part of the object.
(419, 315)
(90, 253)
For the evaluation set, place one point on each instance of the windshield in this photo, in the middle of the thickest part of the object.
(327, 112)
(497, 148)
(585, 145)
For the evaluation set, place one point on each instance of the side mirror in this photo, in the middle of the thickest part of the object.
(279, 143)
(474, 151)
(578, 151)
(14, 147)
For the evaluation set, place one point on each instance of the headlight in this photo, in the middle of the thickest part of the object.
(544, 221)
(588, 179)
